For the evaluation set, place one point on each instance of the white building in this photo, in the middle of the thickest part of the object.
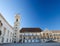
(9, 34)
(6, 31)
(30, 35)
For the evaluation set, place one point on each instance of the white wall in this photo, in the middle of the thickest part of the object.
(8, 33)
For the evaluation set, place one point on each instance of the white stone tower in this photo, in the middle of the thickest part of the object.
(16, 28)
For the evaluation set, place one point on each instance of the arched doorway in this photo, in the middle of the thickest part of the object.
(14, 41)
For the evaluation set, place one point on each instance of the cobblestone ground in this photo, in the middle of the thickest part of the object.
(31, 44)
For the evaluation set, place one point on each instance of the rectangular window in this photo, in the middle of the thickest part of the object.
(0, 21)
(7, 40)
(2, 39)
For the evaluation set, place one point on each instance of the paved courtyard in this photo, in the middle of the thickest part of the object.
(31, 44)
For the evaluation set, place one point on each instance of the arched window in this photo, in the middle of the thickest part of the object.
(1, 24)
(16, 19)
(14, 41)
(43, 33)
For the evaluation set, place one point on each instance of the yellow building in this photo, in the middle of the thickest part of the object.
(53, 35)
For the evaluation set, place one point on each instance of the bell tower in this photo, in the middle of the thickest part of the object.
(16, 28)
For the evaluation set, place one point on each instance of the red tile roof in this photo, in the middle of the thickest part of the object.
(30, 30)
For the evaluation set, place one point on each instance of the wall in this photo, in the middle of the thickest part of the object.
(7, 31)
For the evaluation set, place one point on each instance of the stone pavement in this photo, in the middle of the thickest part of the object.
(30, 44)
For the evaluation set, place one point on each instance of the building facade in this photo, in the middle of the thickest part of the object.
(50, 35)
(9, 34)
(30, 35)
(6, 31)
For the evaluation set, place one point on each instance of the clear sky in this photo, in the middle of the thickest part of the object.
(34, 13)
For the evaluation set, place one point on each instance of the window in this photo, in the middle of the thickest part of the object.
(15, 33)
(0, 21)
(8, 32)
(0, 32)
(34, 37)
(16, 19)
(43, 33)
(29, 37)
(24, 37)
(47, 34)
(16, 27)
(1, 24)
(15, 30)
(10, 40)
(2, 39)
(7, 40)
(4, 30)
(15, 36)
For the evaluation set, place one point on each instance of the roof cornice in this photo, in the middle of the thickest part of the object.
(5, 20)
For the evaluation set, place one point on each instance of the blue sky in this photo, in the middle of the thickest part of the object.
(34, 13)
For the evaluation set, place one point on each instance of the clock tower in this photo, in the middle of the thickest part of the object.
(16, 28)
